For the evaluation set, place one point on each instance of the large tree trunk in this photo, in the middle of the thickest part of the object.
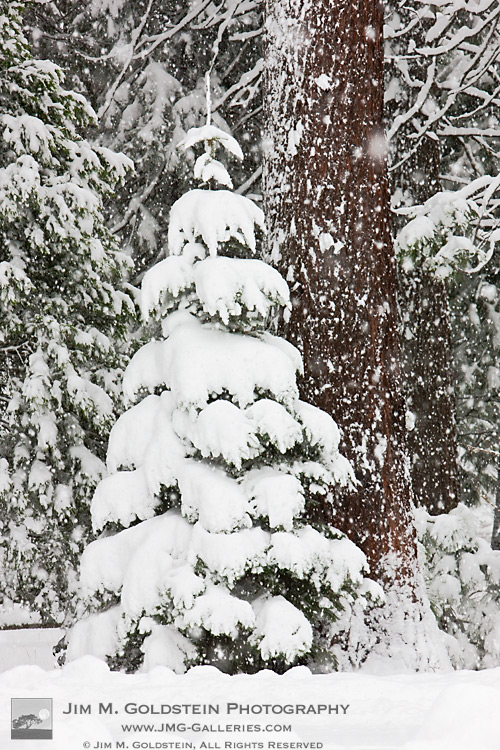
(427, 349)
(327, 200)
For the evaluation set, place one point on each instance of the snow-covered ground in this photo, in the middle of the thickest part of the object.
(28, 646)
(453, 711)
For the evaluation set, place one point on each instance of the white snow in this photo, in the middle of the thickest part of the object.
(144, 436)
(294, 136)
(323, 81)
(97, 633)
(27, 646)
(211, 133)
(275, 423)
(196, 362)
(109, 563)
(173, 275)
(225, 286)
(217, 610)
(215, 217)
(88, 396)
(229, 556)
(206, 168)
(306, 552)
(282, 628)
(276, 496)
(220, 429)
(440, 233)
(209, 495)
(161, 643)
(426, 711)
(26, 133)
(39, 475)
(418, 229)
(320, 427)
(122, 498)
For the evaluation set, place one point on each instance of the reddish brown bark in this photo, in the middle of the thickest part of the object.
(327, 199)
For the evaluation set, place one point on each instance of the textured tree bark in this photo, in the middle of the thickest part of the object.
(427, 354)
(432, 441)
(327, 204)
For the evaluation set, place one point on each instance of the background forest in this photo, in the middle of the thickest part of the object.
(104, 112)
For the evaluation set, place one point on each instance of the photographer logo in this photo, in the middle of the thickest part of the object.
(31, 718)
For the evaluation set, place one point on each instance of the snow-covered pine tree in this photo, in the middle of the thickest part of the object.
(62, 320)
(208, 555)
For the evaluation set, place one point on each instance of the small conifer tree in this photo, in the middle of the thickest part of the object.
(63, 317)
(207, 555)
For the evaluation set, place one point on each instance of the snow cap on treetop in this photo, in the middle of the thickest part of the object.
(211, 134)
(214, 217)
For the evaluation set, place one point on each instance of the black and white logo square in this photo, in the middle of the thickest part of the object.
(31, 718)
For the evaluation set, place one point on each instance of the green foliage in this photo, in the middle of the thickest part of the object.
(142, 65)
(64, 314)
(442, 235)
